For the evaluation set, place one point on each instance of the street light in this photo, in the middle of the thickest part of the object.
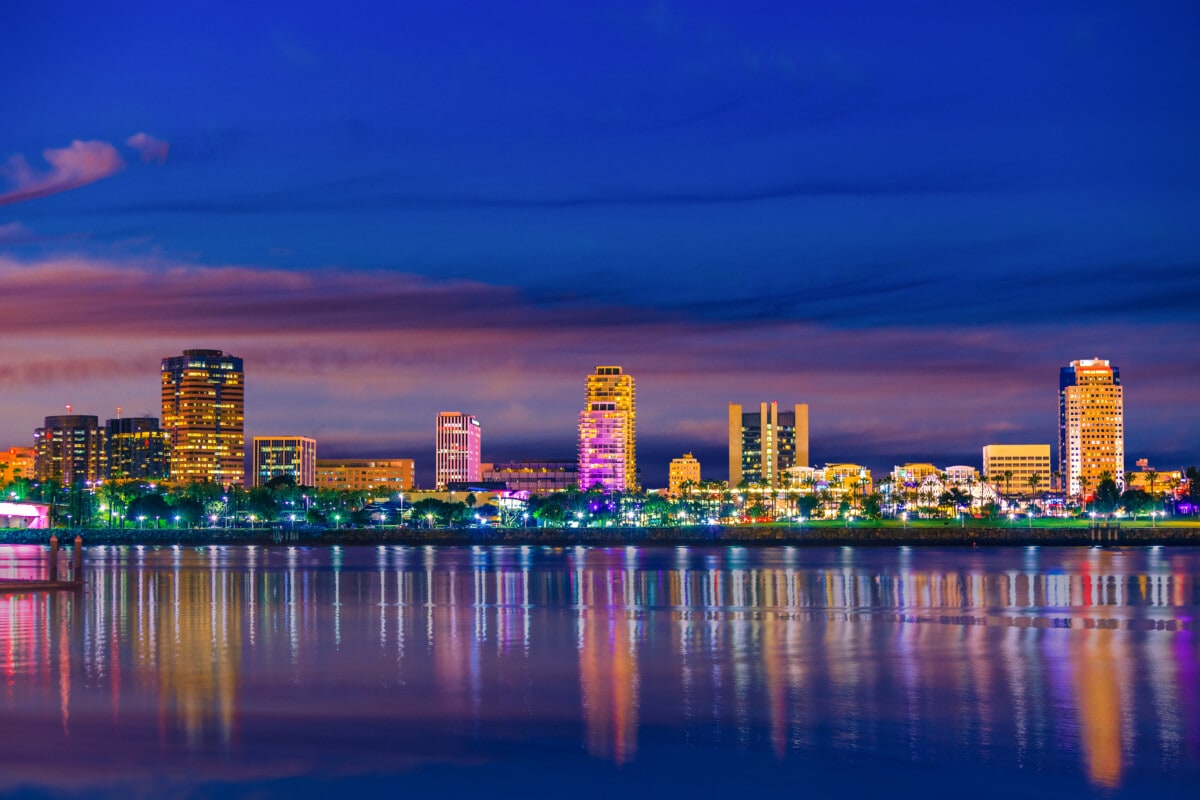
(1153, 519)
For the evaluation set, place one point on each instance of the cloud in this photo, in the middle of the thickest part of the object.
(149, 147)
(70, 167)
(14, 233)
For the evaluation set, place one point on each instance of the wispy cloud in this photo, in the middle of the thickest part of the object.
(70, 167)
(149, 147)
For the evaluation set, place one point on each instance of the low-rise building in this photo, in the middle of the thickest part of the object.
(16, 462)
(1010, 467)
(685, 469)
(385, 475)
(536, 477)
(292, 457)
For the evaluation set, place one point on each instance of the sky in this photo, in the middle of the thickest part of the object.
(908, 215)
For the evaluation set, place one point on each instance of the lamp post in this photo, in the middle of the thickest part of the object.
(1153, 519)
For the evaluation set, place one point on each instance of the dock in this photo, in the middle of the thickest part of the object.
(51, 583)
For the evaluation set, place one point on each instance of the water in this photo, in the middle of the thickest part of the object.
(224, 671)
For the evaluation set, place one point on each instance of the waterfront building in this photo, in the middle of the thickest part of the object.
(685, 469)
(69, 449)
(1091, 425)
(961, 474)
(355, 474)
(16, 462)
(536, 477)
(1154, 481)
(1023, 461)
(912, 475)
(848, 479)
(136, 449)
(458, 446)
(608, 431)
(294, 457)
(203, 411)
(766, 442)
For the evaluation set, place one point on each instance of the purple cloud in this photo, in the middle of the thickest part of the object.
(70, 167)
(149, 147)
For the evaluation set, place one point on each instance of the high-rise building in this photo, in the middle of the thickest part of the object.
(292, 457)
(608, 431)
(16, 462)
(137, 449)
(764, 443)
(1009, 467)
(356, 474)
(458, 447)
(1091, 425)
(69, 449)
(685, 469)
(203, 410)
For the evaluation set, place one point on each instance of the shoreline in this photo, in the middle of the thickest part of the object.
(740, 536)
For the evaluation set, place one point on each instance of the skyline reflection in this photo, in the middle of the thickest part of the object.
(1068, 662)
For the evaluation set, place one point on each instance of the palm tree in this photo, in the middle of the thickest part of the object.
(1035, 480)
(1008, 476)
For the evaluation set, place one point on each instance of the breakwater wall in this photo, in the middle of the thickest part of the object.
(746, 535)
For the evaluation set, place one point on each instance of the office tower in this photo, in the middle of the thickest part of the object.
(137, 449)
(764, 443)
(203, 410)
(608, 431)
(356, 474)
(458, 447)
(293, 457)
(1019, 462)
(69, 449)
(685, 469)
(1091, 425)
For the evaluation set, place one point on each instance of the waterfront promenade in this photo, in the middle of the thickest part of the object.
(949, 535)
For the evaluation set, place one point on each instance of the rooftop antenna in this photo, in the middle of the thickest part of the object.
(118, 412)
(68, 408)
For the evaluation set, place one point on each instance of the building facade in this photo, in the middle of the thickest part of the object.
(69, 449)
(136, 449)
(366, 475)
(764, 443)
(685, 469)
(204, 412)
(1091, 425)
(17, 462)
(459, 438)
(608, 431)
(536, 477)
(1023, 461)
(293, 457)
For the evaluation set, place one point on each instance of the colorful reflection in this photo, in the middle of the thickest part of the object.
(1067, 662)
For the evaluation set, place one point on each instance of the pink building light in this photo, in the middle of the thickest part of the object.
(458, 446)
(602, 438)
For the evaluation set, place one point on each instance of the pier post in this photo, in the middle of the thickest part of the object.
(77, 560)
(52, 572)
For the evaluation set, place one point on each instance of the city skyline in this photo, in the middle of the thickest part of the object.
(397, 211)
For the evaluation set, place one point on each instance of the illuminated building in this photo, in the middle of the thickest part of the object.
(294, 457)
(16, 462)
(764, 443)
(913, 474)
(203, 410)
(1152, 481)
(685, 469)
(388, 475)
(1022, 460)
(458, 446)
(137, 449)
(69, 449)
(608, 431)
(537, 477)
(960, 474)
(848, 478)
(1091, 425)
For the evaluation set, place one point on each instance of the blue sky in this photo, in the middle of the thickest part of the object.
(907, 214)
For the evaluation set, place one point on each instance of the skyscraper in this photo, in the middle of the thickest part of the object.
(69, 449)
(458, 446)
(1091, 425)
(764, 443)
(203, 409)
(608, 431)
(137, 449)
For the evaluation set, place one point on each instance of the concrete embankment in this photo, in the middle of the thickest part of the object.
(708, 535)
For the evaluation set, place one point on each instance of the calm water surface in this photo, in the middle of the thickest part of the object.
(312, 672)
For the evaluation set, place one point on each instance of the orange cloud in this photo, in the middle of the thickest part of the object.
(149, 147)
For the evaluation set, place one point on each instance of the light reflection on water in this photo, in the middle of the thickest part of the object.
(1063, 665)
